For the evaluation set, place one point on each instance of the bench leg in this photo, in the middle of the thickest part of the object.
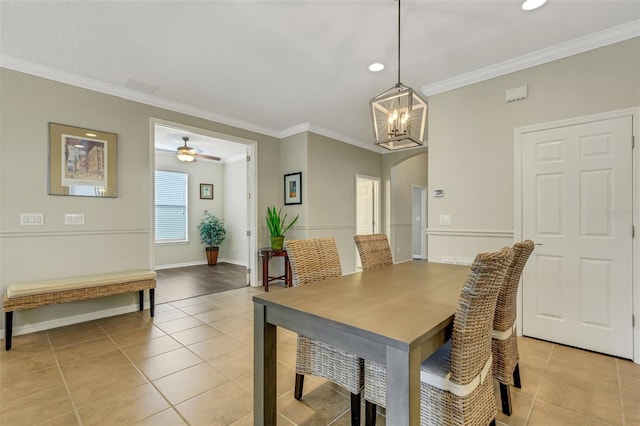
(141, 299)
(152, 301)
(8, 329)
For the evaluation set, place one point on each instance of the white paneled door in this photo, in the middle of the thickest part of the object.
(577, 207)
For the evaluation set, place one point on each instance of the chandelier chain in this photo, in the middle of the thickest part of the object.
(398, 42)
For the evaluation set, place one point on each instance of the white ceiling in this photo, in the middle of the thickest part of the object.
(279, 67)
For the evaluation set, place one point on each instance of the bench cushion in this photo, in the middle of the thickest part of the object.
(72, 283)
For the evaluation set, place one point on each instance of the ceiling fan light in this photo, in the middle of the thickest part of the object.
(186, 154)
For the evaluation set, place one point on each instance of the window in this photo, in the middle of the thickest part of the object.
(171, 206)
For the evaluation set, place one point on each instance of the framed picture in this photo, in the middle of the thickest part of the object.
(82, 162)
(293, 188)
(206, 191)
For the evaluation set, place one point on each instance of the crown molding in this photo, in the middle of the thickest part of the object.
(294, 130)
(27, 67)
(308, 127)
(559, 51)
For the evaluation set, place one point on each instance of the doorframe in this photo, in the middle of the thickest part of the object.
(252, 189)
(517, 220)
(423, 219)
(377, 208)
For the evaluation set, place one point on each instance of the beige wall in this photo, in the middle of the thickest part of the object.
(403, 176)
(116, 235)
(471, 139)
(331, 185)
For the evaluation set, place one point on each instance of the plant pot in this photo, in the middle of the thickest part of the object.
(212, 255)
(277, 242)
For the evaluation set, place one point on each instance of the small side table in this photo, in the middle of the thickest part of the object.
(267, 254)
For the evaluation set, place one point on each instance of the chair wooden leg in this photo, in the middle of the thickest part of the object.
(505, 398)
(355, 409)
(297, 393)
(516, 377)
(369, 413)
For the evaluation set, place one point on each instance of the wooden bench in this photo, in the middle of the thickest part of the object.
(27, 295)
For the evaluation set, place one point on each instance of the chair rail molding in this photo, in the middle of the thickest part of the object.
(494, 233)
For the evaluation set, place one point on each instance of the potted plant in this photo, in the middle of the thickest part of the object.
(212, 233)
(278, 226)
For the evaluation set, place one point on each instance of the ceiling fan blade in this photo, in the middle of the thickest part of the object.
(208, 157)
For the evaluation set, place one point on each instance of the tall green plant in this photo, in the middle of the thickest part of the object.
(277, 223)
(212, 230)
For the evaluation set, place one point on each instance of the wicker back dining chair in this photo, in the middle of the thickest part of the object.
(505, 344)
(456, 385)
(374, 250)
(314, 260)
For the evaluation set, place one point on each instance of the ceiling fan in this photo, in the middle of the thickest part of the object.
(187, 154)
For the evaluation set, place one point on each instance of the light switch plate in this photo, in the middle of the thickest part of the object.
(31, 219)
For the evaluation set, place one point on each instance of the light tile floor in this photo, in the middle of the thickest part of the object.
(192, 364)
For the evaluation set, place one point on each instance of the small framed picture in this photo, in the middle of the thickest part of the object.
(206, 191)
(293, 188)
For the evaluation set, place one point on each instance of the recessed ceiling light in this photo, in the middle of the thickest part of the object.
(532, 4)
(376, 66)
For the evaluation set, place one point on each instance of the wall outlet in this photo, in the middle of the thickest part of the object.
(31, 219)
(74, 219)
(445, 219)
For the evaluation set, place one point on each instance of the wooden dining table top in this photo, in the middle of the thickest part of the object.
(393, 305)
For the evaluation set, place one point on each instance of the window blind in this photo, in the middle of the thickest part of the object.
(171, 206)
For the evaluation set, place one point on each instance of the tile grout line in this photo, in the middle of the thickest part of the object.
(151, 382)
(64, 380)
(624, 420)
(535, 395)
(145, 376)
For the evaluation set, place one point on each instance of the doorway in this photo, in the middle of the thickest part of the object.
(367, 208)
(419, 222)
(231, 178)
(576, 204)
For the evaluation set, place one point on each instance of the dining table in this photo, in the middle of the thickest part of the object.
(397, 316)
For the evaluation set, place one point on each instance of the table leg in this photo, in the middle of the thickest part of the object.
(288, 279)
(265, 272)
(264, 368)
(403, 386)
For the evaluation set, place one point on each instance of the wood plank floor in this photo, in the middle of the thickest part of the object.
(192, 281)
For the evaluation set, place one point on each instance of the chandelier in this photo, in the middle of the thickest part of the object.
(399, 114)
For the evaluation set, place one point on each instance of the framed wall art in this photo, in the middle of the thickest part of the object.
(206, 191)
(82, 162)
(293, 188)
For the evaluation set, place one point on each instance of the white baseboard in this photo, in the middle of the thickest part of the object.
(181, 265)
(199, 262)
(61, 322)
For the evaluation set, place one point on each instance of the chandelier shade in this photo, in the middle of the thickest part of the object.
(399, 118)
(399, 114)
